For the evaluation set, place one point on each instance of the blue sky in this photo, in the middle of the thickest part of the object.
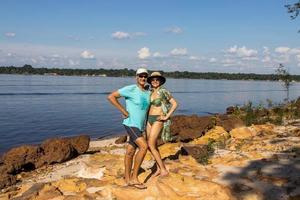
(216, 36)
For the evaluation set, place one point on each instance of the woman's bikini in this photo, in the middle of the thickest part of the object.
(153, 118)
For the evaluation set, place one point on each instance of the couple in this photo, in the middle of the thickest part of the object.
(159, 105)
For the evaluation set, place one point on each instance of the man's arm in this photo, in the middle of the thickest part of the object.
(113, 99)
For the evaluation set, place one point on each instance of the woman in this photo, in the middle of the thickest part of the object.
(162, 106)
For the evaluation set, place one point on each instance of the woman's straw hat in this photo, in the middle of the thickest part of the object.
(156, 75)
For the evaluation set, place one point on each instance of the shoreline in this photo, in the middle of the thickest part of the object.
(239, 170)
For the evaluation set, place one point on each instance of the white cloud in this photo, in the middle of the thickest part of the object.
(241, 52)
(10, 34)
(174, 29)
(266, 55)
(195, 58)
(144, 53)
(212, 60)
(231, 62)
(119, 35)
(282, 50)
(284, 58)
(87, 55)
(295, 51)
(179, 52)
(266, 51)
(266, 59)
(158, 55)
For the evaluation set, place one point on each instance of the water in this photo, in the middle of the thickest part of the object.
(34, 108)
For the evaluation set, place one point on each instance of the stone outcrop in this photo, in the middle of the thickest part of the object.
(121, 140)
(187, 128)
(22, 158)
(257, 162)
(190, 127)
(229, 122)
(30, 157)
(80, 143)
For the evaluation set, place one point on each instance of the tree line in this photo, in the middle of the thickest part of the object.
(28, 69)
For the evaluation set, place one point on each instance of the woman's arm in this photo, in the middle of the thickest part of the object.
(171, 111)
(113, 99)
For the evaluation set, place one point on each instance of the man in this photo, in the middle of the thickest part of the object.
(137, 100)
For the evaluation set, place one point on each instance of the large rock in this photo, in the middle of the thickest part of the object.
(80, 143)
(7, 180)
(199, 152)
(229, 122)
(242, 133)
(190, 127)
(22, 158)
(121, 140)
(56, 150)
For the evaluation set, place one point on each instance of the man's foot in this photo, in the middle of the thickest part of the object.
(140, 186)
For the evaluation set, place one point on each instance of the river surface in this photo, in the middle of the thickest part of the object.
(34, 108)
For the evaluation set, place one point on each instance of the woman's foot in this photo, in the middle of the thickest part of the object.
(157, 173)
(164, 173)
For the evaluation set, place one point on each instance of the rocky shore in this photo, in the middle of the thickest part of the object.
(210, 158)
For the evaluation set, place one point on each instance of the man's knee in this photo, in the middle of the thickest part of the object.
(130, 151)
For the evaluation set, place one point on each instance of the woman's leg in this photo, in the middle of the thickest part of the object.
(148, 128)
(139, 157)
(154, 133)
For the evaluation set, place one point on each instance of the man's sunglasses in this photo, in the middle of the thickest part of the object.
(143, 76)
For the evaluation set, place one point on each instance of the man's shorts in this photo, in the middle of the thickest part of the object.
(133, 133)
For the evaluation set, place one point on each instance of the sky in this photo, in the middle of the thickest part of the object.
(234, 36)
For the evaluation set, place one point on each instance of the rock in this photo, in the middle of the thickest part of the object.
(241, 133)
(230, 110)
(7, 180)
(56, 150)
(122, 139)
(199, 152)
(190, 127)
(217, 134)
(40, 191)
(229, 122)
(80, 143)
(22, 158)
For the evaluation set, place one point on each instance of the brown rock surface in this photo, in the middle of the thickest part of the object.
(229, 122)
(121, 140)
(80, 143)
(22, 158)
(56, 150)
(190, 127)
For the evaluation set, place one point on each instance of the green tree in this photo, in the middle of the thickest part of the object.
(293, 9)
(285, 77)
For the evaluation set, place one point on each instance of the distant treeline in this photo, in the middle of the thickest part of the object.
(28, 69)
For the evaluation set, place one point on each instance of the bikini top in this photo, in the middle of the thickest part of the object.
(156, 102)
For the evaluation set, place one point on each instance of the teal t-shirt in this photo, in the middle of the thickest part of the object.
(137, 104)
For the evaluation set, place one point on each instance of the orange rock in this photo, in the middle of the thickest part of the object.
(242, 133)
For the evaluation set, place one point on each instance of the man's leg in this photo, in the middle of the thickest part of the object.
(139, 157)
(130, 151)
